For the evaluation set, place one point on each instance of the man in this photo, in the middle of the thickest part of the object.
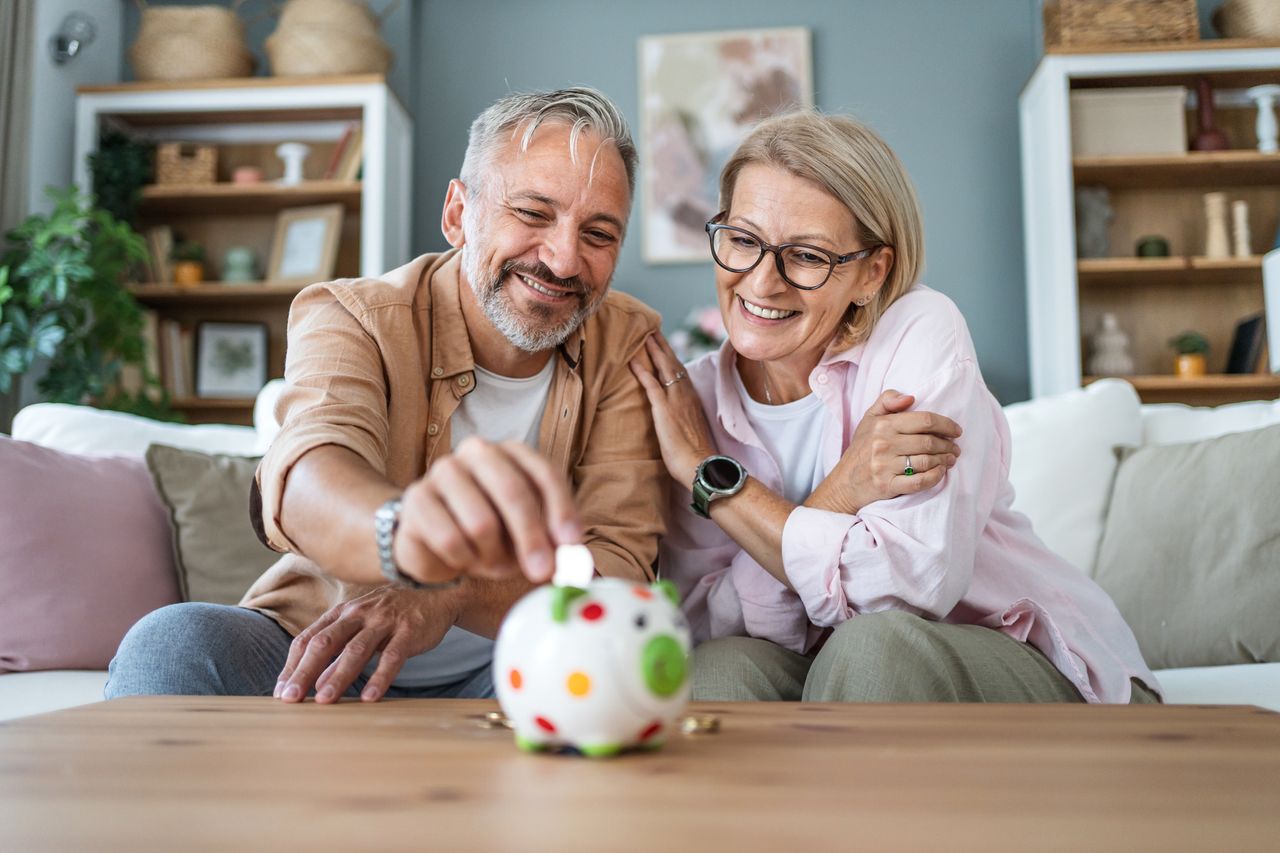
(433, 422)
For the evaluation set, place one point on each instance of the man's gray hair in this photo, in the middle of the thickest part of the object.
(581, 108)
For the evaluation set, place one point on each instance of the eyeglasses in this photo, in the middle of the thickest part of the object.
(800, 265)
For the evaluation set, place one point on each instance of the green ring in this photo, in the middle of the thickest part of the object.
(909, 471)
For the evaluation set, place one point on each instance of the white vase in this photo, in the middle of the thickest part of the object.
(1216, 242)
(1110, 349)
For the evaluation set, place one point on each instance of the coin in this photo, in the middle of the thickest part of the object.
(704, 724)
(493, 720)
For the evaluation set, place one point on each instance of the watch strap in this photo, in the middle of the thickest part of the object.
(386, 520)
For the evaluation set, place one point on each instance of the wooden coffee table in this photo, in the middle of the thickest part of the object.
(177, 773)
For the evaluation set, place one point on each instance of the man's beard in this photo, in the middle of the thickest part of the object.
(529, 332)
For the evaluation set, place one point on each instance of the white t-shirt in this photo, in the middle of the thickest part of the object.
(499, 408)
(792, 434)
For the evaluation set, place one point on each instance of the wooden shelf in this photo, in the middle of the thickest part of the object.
(225, 198)
(1181, 269)
(223, 294)
(1195, 168)
(1211, 390)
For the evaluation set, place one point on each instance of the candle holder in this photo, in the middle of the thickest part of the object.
(1265, 97)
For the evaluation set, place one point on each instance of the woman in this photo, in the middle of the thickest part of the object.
(797, 586)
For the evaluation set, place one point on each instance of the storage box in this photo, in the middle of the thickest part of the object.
(1147, 120)
(1082, 23)
(180, 163)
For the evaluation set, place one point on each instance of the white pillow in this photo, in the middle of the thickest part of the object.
(84, 429)
(1064, 461)
(1174, 423)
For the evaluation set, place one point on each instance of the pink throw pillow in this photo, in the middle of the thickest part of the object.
(85, 551)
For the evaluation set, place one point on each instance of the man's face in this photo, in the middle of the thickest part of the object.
(541, 235)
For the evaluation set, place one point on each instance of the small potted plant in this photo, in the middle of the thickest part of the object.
(188, 263)
(1191, 348)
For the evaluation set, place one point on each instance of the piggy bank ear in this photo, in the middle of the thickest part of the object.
(668, 589)
(561, 598)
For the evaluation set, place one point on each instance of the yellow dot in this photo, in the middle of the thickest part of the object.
(579, 684)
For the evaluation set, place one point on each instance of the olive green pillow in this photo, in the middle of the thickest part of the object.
(207, 495)
(1191, 549)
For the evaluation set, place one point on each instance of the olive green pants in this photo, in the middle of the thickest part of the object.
(886, 657)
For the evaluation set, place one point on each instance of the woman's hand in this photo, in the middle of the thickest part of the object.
(874, 465)
(677, 412)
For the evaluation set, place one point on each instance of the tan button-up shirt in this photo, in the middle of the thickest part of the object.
(379, 365)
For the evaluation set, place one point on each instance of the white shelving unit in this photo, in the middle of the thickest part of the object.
(1061, 293)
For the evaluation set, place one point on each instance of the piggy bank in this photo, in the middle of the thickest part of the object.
(599, 669)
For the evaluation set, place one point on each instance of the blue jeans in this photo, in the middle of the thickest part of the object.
(197, 649)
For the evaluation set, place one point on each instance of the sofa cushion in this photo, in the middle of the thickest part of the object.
(217, 553)
(1174, 423)
(1064, 460)
(85, 554)
(1191, 553)
(84, 429)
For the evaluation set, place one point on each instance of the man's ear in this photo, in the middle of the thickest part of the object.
(455, 201)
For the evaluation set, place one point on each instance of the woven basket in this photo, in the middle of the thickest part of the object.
(1073, 23)
(178, 163)
(190, 43)
(1248, 19)
(318, 37)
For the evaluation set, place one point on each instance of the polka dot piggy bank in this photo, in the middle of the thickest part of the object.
(599, 669)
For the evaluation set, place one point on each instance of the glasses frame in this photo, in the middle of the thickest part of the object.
(834, 260)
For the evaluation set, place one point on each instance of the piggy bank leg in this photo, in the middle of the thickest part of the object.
(528, 744)
(601, 750)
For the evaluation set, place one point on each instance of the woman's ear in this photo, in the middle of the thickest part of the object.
(881, 264)
(455, 201)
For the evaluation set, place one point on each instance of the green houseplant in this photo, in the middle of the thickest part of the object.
(1191, 348)
(62, 298)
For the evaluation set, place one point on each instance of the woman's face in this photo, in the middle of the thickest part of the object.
(779, 208)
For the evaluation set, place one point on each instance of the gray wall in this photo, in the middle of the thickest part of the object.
(939, 79)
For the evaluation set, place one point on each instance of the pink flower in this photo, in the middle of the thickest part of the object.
(711, 324)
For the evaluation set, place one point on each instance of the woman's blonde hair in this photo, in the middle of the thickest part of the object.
(850, 161)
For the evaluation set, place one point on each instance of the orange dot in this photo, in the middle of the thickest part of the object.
(579, 684)
(516, 679)
(642, 592)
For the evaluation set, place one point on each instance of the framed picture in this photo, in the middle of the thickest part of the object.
(231, 359)
(305, 244)
(700, 95)
(1247, 344)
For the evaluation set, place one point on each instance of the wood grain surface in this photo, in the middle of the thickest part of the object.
(194, 773)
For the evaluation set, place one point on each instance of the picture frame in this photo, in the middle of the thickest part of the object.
(305, 244)
(1247, 345)
(701, 94)
(231, 359)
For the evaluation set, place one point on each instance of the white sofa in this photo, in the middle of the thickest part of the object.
(1063, 466)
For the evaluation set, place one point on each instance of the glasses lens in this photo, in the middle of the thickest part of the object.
(735, 250)
(806, 266)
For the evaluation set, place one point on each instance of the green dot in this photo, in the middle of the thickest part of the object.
(664, 665)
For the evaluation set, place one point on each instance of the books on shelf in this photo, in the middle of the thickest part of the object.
(348, 166)
(159, 246)
(340, 150)
(176, 357)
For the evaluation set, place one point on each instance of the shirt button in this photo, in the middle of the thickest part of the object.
(822, 379)
(433, 429)
(439, 371)
(464, 381)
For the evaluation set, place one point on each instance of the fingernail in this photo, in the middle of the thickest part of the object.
(325, 694)
(369, 694)
(279, 686)
(540, 565)
(292, 692)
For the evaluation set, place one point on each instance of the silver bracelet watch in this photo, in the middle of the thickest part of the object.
(385, 521)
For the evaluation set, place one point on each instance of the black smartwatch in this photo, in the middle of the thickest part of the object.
(717, 477)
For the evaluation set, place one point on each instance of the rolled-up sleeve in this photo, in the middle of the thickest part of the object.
(336, 393)
(914, 552)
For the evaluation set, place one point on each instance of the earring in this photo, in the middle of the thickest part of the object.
(864, 300)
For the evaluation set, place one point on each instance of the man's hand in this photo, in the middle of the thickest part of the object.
(332, 652)
(872, 467)
(488, 510)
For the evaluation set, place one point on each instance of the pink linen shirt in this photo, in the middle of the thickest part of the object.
(957, 553)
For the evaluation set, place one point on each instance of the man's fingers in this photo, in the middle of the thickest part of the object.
(320, 651)
(430, 540)
(454, 480)
(562, 518)
(516, 498)
(390, 662)
(299, 645)
(346, 668)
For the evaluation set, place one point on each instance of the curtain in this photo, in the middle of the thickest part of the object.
(17, 22)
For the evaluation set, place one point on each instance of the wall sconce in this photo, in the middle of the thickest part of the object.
(75, 34)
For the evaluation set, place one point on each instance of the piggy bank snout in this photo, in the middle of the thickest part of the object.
(664, 665)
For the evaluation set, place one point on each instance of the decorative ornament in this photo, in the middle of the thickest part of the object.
(1110, 349)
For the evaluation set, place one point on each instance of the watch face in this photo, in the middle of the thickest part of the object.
(721, 474)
